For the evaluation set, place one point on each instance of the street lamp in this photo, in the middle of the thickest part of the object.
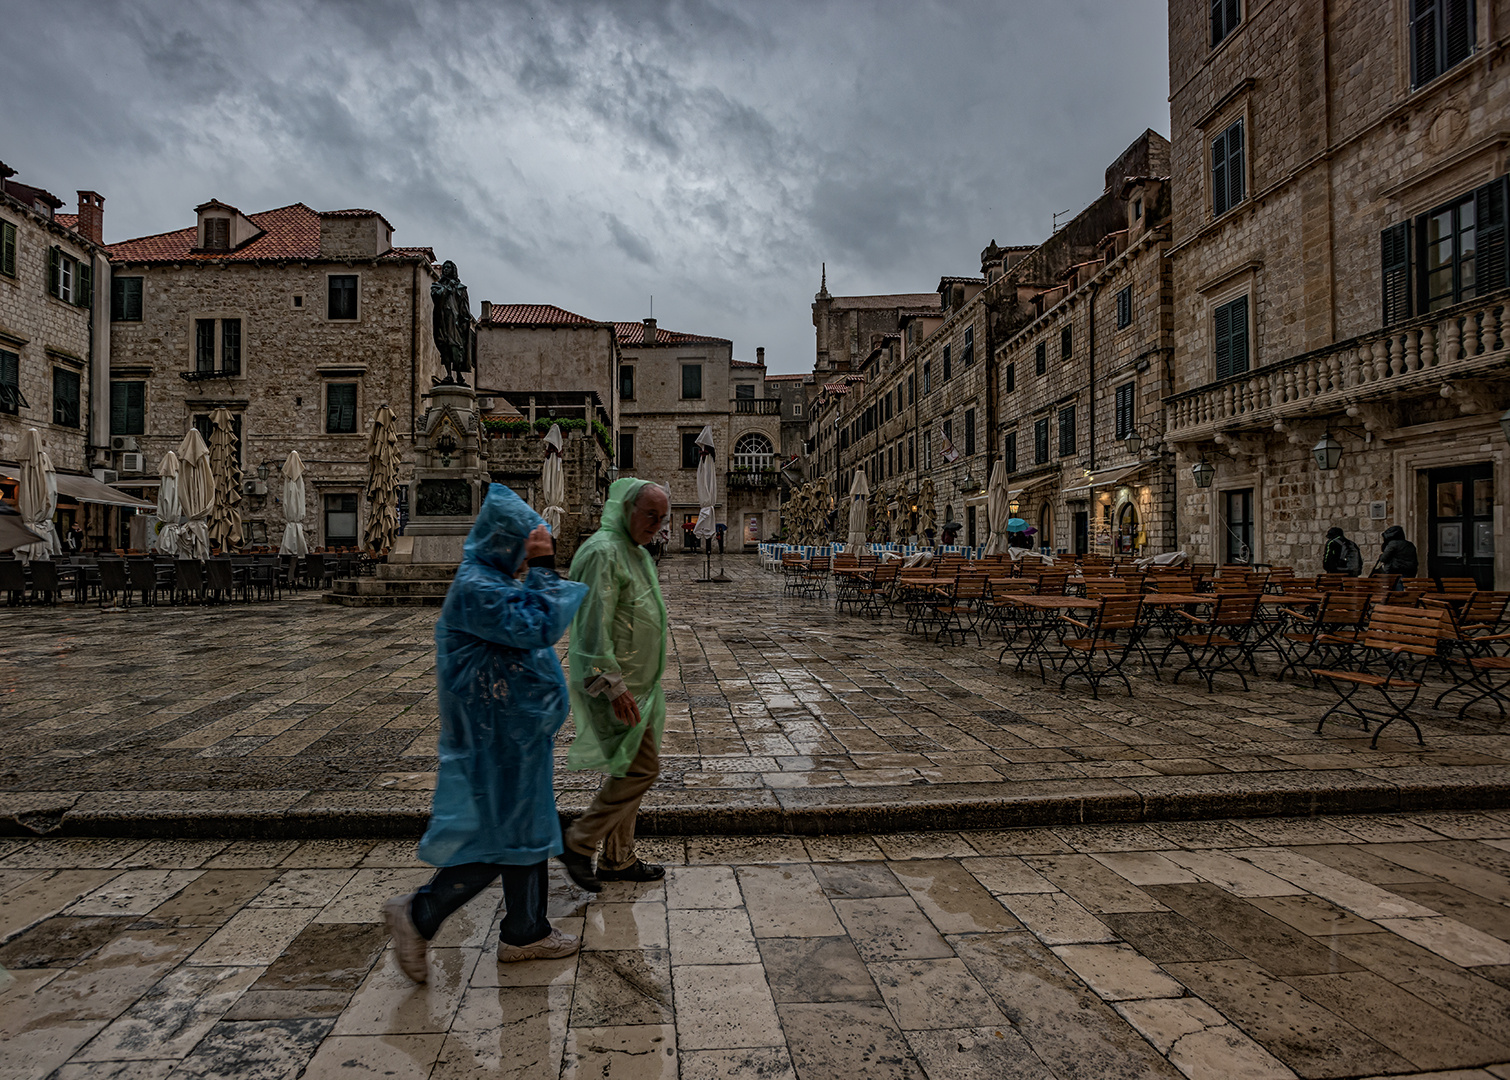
(1328, 453)
(1134, 443)
(1014, 506)
(1204, 472)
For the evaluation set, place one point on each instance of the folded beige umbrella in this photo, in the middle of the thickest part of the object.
(382, 484)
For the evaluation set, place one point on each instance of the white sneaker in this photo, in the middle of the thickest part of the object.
(410, 946)
(550, 947)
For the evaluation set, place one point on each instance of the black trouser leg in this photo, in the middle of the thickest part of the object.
(448, 890)
(524, 897)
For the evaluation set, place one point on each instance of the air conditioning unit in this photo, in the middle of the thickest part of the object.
(106, 476)
(484, 404)
(254, 487)
(131, 463)
(120, 443)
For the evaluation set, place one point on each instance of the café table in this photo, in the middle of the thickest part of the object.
(1040, 611)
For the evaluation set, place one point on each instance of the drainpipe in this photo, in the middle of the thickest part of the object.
(414, 354)
(1090, 360)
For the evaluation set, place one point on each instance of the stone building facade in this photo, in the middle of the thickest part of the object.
(1339, 273)
(301, 323)
(54, 339)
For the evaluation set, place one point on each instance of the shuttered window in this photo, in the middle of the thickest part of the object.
(126, 299)
(340, 408)
(967, 354)
(692, 380)
(65, 397)
(1228, 182)
(7, 249)
(626, 450)
(1009, 378)
(1041, 441)
(1066, 343)
(1225, 15)
(68, 279)
(1442, 35)
(1124, 307)
(11, 400)
(341, 296)
(948, 365)
(1041, 358)
(1394, 254)
(204, 345)
(1491, 211)
(230, 346)
(969, 432)
(1009, 452)
(626, 382)
(1125, 394)
(1067, 431)
(128, 408)
(1230, 332)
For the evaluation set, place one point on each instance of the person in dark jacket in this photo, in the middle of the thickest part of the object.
(1340, 555)
(1399, 554)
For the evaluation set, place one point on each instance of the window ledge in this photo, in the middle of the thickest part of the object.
(204, 376)
(341, 369)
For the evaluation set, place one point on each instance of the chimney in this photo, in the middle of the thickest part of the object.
(92, 216)
(487, 310)
(649, 331)
(760, 355)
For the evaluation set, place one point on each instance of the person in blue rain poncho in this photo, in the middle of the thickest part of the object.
(502, 700)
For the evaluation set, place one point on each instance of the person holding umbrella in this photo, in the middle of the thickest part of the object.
(1017, 532)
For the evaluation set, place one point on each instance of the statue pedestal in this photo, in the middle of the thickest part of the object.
(450, 476)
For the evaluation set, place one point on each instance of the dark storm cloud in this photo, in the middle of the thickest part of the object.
(591, 153)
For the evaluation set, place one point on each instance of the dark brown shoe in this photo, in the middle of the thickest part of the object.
(579, 867)
(635, 871)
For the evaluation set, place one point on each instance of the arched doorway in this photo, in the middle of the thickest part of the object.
(1045, 535)
(1126, 538)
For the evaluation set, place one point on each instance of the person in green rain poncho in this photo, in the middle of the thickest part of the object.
(616, 656)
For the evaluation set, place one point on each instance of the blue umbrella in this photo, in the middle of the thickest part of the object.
(1016, 525)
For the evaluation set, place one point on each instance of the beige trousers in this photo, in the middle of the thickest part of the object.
(610, 818)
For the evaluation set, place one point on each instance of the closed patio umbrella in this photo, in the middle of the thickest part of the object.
(13, 530)
(998, 510)
(294, 540)
(818, 511)
(382, 484)
(925, 511)
(37, 498)
(553, 481)
(707, 486)
(225, 465)
(196, 496)
(859, 494)
(169, 527)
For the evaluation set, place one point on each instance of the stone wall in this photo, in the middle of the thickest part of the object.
(517, 461)
(553, 359)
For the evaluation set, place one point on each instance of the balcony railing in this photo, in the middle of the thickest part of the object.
(754, 478)
(1469, 339)
(758, 406)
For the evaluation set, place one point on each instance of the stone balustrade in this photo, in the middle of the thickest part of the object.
(1465, 341)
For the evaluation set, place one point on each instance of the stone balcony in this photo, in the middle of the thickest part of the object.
(1446, 352)
(757, 406)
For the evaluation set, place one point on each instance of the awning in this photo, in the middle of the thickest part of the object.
(88, 489)
(1111, 479)
(1012, 493)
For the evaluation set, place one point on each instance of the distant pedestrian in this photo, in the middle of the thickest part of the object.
(1341, 555)
(617, 656)
(502, 700)
(74, 540)
(721, 528)
(1398, 555)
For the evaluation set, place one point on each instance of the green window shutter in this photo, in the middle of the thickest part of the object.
(118, 408)
(1423, 42)
(1394, 258)
(1490, 211)
(1222, 332)
(125, 299)
(7, 249)
(55, 270)
(83, 293)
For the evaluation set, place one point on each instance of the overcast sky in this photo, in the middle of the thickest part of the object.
(711, 153)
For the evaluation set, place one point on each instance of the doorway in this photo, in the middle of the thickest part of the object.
(1237, 507)
(1460, 523)
(1082, 530)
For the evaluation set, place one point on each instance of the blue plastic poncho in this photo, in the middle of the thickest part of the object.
(502, 697)
(620, 633)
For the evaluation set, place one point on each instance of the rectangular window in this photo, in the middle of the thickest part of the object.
(1452, 253)
(1225, 15)
(1125, 409)
(1009, 452)
(1067, 431)
(10, 382)
(626, 450)
(948, 365)
(340, 520)
(911, 388)
(230, 346)
(689, 450)
(890, 463)
(67, 278)
(1228, 182)
(796, 408)
(744, 392)
(1230, 334)
(626, 382)
(692, 380)
(217, 234)
(7, 249)
(340, 408)
(341, 301)
(969, 432)
(887, 405)
(1442, 36)
(1041, 358)
(1394, 244)
(1124, 307)
(128, 408)
(911, 454)
(927, 377)
(126, 299)
(967, 354)
(1041, 441)
(1009, 378)
(1066, 343)
(204, 345)
(65, 397)
(928, 449)
(949, 432)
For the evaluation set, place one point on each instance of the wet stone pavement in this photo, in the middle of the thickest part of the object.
(1345, 946)
(296, 718)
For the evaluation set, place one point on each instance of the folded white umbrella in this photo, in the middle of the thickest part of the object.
(859, 492)
(998, 510)
(37, 498)
(707, 486)
(294, 540)
(196, 496)
(553, 481)
(170, 527)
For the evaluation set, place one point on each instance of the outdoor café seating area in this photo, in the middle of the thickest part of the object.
(124, 579)
(1386, 646)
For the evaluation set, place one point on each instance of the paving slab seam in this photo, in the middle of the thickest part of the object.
(904, 814)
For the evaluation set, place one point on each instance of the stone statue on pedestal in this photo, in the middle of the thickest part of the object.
(455, 331)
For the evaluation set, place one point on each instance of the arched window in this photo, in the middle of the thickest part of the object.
(1127, 528)
(1045, 537)
(753, 451)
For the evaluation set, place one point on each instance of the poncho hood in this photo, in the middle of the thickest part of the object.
(505, 523)
(1333, 533)
(621, 498)
(1391, 534)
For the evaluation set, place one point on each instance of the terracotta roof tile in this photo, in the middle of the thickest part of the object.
(633, 333)
(745, 364)
(535, 315)
(68, 221)
(288, 233)
(797, 377)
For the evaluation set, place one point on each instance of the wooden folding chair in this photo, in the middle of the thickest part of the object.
(1399, 639)
(1112, 632)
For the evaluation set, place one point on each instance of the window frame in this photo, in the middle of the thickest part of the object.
(121, 301)
(626, 378)
(1066, 431)
(1124, 307)
(229, 341)
(689, 449)
(124, 407)
(625, 459)
(1226, 17)
(698, 368)
(1041, 441)
(1009, 378)
(12, 401)
(948, 363)
(927, 377)
(1231, 305)
(1434, 19)
(1126, 406)
(356, 297)
(1009, 452)
(1041, 358)
(1066, 342)
(967, 352)
(356, 405)
(969, 432)
(9, 245)
(1226, 203)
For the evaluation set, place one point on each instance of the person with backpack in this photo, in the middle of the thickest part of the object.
(1341, 555)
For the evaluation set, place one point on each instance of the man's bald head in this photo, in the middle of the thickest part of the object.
(651, 507)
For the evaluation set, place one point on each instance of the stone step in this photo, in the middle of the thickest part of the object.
(375, 587)
(416, 571)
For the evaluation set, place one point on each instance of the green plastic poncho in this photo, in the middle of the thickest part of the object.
(502, 697)
(620, 630)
